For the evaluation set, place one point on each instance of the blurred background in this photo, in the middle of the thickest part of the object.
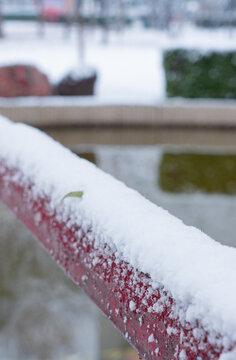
(144, 89)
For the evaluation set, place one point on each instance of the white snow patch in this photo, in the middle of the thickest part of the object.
(158, 307)
(182, 355)
(132, 305)
(84, 278)
(95, 261)
(37, 218)
(198, 334)
(151, 338)
(170, 330)
(228, 356)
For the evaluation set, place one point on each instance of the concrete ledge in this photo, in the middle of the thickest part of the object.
(60, 111)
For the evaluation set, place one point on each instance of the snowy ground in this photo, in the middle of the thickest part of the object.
(129, 66)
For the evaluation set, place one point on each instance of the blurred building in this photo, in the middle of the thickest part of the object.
(217, 12)
(13, 8)
(152, 13)
(18, 8)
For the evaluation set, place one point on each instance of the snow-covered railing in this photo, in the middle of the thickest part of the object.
(167, 287)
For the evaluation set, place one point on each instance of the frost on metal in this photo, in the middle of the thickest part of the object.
(167, 287)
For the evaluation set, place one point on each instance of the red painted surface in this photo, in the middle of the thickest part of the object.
(109, 282)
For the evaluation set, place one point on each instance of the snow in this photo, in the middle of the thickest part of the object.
(228, 356)
(132, 305)
(82, 72)
(158, 307)
(129, 66)
(182, 355)
(171, 331)
(151, 338)
(123, 69)
(199, 273)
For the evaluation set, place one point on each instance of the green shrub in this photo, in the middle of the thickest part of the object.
(191, 74)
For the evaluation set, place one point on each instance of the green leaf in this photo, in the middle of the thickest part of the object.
(78, 194)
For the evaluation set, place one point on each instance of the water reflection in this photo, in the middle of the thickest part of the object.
(142, 169)
(187, 172)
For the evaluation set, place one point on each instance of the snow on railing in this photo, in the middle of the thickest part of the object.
(167, 287)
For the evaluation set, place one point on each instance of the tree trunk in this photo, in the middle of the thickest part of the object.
(121, 15)
(40, 19)
(105, 20)
(93, 15)
(80, 27)
(1, 21)
(153, 13)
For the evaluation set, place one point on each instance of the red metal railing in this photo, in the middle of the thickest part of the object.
(120, 291)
